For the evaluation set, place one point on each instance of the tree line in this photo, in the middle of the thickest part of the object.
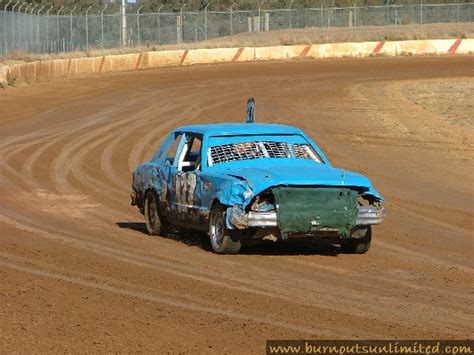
(220, 5)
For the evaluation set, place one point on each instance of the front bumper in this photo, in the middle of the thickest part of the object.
(237, 218)
(369, 215)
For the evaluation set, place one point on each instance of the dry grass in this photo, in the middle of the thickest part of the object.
(450, 98)
(280, 37)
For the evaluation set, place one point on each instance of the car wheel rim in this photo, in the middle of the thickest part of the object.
(218, 230)
(151, 212)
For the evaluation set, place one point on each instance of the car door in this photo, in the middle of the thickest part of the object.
(187, 180)
(169, 171)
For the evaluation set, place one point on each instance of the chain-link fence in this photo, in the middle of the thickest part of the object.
(50, 30)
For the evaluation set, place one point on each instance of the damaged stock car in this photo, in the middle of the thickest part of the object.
(244, 183)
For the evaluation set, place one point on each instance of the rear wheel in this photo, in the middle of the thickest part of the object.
(359, 242)
(221, 240)
(155, 223)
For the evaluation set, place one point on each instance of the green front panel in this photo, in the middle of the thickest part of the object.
(313, 209)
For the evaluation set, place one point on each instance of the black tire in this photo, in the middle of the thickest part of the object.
(221, 240)
(359, 242)
(155, 222)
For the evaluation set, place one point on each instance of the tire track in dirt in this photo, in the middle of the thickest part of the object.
(170, 302)
(229, 281)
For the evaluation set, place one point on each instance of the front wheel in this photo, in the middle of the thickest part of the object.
(221, 241)
(359, 242)
(155, 223)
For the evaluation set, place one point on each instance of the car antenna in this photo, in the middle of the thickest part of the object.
(251, 110)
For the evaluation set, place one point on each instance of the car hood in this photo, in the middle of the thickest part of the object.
(304, 174)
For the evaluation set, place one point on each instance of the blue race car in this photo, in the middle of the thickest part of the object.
(244, 183)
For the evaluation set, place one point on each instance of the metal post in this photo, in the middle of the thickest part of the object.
(257, 38)
(195, 30)
(457, 11)
(13, 24)
(19, 25)
(291, 4)
(102, 24)
(47, 28)
(5, 39)
(421, 12)
(205, 20)
(329, 18)
(38, 37)
(123, 10)
(259, 18)
(355, 14)
(181, 20)
(158, 25)
(57, 26)
(321, 19)
(22, 38)
(31, 34)
(231, 18)
(87, 26)
(70, 27)
(138, 24)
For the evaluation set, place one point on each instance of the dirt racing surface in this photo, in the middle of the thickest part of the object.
(78, 273)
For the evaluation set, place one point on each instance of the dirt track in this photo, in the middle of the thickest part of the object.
(77, 271)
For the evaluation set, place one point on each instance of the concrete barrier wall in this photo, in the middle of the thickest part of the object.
(57, 68)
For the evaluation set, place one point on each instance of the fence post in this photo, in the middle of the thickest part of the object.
(178, 29)
(47, 28)
(123, 26)
(231, 10)
(19, 25)
(20, 17)
(22, 38)
(457, 18)
(30, 36)
(158, 25)
(38, 36)
(421, 12)
(289, 8)
(195, 30)
(102, 25)
(181, 22)
(329, 18)
(321, 19)
(57, 26)
(87, 27)
(355, 13)
(138, 24)
(5, 26)
(13, 23)
(259, 17)
(205, 20)
(70, 26)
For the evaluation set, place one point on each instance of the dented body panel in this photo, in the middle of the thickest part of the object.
(242, 166)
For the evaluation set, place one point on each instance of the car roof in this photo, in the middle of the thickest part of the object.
(234, 129)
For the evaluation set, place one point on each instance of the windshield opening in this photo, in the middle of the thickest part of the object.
(260, 149)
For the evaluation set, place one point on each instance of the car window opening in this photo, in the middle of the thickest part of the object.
(260, 149)
(190, 156)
